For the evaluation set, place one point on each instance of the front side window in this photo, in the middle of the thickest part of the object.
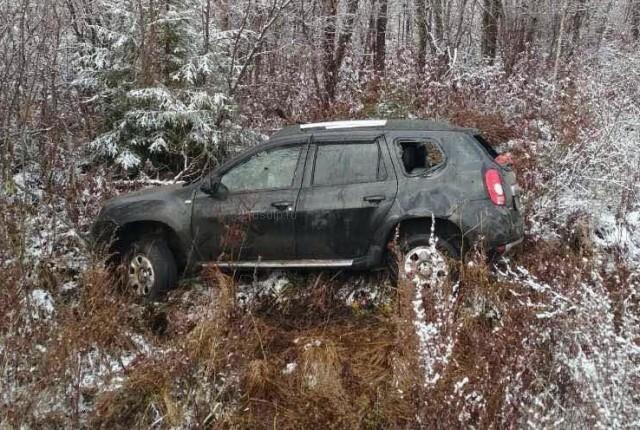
(348, 163)
(266, 170)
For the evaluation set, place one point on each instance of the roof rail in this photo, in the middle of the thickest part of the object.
(345, 124)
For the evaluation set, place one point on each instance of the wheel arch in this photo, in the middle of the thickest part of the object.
(444, 228)
(128, 233)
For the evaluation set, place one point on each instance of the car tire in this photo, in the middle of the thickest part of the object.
(446, 251)
(151, 268)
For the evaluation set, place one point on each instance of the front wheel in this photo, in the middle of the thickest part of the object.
(151, 268)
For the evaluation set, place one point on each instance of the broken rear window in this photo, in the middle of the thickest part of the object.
(419, 156)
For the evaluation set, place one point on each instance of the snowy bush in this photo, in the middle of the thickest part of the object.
(168, 110)
(596, 175)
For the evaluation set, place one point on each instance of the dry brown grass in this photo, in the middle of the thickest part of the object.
(349, 371)
(142, 400)
(342, 378)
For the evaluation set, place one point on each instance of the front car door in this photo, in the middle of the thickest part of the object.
(253, 219)
(349, 187)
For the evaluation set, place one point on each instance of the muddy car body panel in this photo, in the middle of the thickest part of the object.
(335, 218)
(250, 225)
(165, 210)
(330, 196)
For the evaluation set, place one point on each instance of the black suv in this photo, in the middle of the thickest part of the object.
(325, 195)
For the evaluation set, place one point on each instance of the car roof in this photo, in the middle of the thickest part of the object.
(370, 125)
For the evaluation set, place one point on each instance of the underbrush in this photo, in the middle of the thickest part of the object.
(545, 338)
(303, 358)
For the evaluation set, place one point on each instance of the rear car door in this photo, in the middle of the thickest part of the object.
(348, 188)
(254, 217)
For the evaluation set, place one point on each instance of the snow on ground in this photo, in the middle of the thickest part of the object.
(275, 286)
(41, 305)
(622, 235)
(107, 371)
(435, 338)
(358, 291)
(599, 354)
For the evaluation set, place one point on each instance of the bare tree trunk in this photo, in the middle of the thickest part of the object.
(333, 55)
(245, 60)
(224, 12)
(148, 39)
(166, 67)
(635, 19)
(602, 29)
(578, 20)
(206, 25)
(368, 43)
(381, 38)
(532, 27)
(328, 44)
(457, 39)
(347, 32)
(490, 16)
(438, 26)
(559, 44)
(421, 22)
(408, 40)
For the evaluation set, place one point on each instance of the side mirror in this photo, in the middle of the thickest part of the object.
(210, 185)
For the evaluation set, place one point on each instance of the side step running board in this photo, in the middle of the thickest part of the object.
(283, 263)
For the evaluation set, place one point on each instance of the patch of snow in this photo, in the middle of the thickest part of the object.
(316, 343)
(458, 386)
(623, 235)
(105, 371)
(290, 368)
(41, 304)
(28, 187)
(274, 286)
(364, 292)
(69, 286)
(434, 340)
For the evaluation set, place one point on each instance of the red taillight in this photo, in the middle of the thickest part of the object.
(493, 182)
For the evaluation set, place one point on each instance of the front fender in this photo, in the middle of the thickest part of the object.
(175, 217)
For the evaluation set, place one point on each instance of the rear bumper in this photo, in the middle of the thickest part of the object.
(497, 228)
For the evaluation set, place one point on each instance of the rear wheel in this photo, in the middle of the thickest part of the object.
(151, 268)
(425, 260)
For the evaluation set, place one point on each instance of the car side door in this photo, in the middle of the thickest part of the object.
(251, 216)
(349, 187)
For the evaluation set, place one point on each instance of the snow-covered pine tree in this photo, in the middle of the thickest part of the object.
(157, 84)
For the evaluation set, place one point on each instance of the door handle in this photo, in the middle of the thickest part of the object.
(281, 205)
(374, 199)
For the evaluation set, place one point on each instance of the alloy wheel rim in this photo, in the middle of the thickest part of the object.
(141, 275)
(425, 266)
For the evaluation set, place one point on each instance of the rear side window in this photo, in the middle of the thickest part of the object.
(348, 163)
(419, 156)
